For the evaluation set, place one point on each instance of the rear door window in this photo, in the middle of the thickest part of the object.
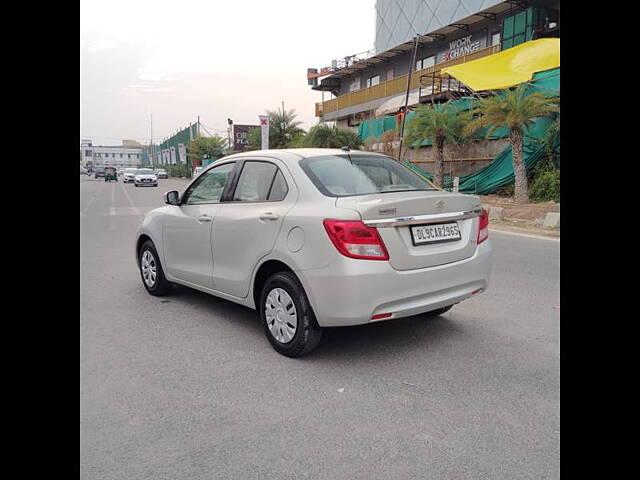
(279, 188)
(260, 182)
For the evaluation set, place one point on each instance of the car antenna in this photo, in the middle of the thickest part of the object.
(347, 150)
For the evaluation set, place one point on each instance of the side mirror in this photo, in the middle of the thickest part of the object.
(172, 197)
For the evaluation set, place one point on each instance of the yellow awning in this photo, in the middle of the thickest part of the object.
(510, 67)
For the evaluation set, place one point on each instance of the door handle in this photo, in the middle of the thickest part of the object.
(269, 216)
(204, 218)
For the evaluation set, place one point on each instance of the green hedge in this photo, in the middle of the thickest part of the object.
(180, 170)
(546, 187)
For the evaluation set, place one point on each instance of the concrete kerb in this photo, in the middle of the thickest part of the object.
(552, 220)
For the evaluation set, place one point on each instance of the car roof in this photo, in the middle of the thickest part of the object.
(296, 154)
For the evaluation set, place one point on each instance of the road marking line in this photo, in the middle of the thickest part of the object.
(115, 211)
(86, 207)
(112, 223)
(518, 234)
(129, 198)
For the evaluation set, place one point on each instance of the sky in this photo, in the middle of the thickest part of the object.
(216, 59)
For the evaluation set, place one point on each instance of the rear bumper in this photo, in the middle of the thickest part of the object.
(350, 292)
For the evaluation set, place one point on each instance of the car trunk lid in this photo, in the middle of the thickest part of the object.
(395, 213)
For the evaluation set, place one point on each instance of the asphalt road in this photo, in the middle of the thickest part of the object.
(187, 386)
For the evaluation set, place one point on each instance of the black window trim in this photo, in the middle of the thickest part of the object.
(234, 183)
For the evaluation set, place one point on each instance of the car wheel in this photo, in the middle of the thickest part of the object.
(288, 320)
(136, 184)
(151, 271)
(438, 311)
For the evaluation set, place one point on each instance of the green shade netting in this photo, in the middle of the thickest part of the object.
(377, 126)
(499, 172)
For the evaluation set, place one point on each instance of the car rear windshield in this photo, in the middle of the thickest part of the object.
(354, 174)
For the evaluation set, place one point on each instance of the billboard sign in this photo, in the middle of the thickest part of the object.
(241, 136)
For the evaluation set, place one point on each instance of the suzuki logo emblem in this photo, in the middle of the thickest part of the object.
(440, 204)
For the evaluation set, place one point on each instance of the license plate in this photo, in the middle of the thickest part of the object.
(435, 233)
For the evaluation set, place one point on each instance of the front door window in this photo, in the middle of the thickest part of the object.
(209, 186)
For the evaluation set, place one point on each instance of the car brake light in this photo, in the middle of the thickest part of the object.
(356, 240)
(483, 226)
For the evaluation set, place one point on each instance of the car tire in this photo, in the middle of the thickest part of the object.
(307, 332)
(136, 184)
(160, 286)
(438, 311)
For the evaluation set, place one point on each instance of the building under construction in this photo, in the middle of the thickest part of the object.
(432, 37)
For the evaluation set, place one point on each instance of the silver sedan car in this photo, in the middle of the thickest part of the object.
(145, 177)
(315, 238)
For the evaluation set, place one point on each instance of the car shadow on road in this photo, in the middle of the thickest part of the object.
(218, 308)
(389, 337)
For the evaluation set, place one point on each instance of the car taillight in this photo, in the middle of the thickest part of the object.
(354, 239)
(483, 226)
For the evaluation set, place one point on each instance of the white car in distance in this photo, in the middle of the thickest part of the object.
(129, 175)
(145, 177)
(317, 238)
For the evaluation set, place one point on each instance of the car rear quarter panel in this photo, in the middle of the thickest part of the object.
(316, 251)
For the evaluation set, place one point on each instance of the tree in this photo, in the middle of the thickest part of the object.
(254, 139)
(517, 110)
(284, 130)
(209, 147)
(324, 136)
(551, 138)
(443, 124)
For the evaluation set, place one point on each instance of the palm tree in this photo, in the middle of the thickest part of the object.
(443, 124)
(515, 109)
(324, 136)
(284, 131)
(283, 128)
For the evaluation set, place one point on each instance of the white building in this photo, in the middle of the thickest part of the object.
(109, 156)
